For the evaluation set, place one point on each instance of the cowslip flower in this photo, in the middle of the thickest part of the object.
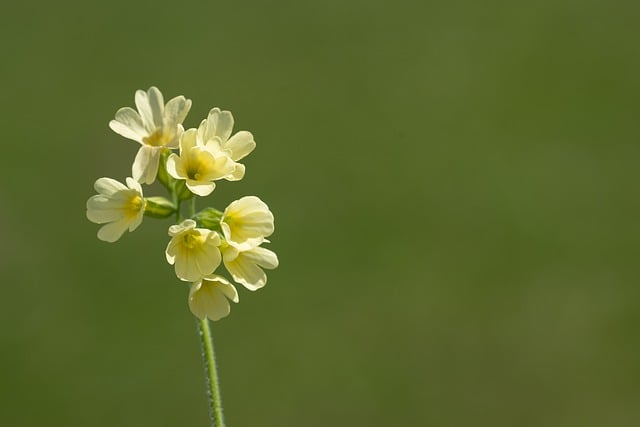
(117, 206)
(155, 126)
(246, 222)
(199, 164)
(246, 267)
(209, 297)
(194, 251)
(216, 130)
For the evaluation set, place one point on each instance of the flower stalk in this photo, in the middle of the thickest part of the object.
(211, 373)
(203, 241)
(209, 360)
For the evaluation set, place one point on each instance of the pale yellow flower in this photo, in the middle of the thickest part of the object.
(155, 126)
(198, 164)
(194, 251)
(246, 222)
(208, 298)
(117, 206)
(216, 130)
(246, 266)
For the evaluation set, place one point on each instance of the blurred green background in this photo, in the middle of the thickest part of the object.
(455, 185)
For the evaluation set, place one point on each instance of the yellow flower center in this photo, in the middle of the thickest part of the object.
(192, 239)
(194, 173)
(133, 207)
(199, 164)
(156, 139)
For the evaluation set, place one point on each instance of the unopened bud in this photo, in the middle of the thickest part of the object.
(159, 207)
(209, 218)
(182, 191)
(163, 176)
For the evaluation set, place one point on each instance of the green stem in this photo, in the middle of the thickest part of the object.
(209, 359)
(211, 373)
(176, 202)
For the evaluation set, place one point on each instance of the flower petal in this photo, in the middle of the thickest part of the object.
(237, 174)
(173, 143)
(176, 111)
(186, 269)
(228, 289)
(245, 267)
(200, 188)
(144, 109)
(240, 145)
(214, 146)
(247, 273)
(128, 124)
(134, 185)
(152, 168)
(217, 166)
(185, 225)
(145, 165)
(171, 251)
(156, 103)
(263, 257)
(207, 260)
(188, 140)
(108, 186)
(175, 167)
(198, 300)
(98, 213)
(113, 231)
(208, 298)
(246, 222)
(135, 223)
(220, 124)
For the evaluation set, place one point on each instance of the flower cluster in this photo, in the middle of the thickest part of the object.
(200, 241)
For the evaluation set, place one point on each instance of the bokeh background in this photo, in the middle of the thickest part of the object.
(455, 185)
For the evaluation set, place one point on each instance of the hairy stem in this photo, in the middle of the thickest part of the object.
(209, 359)
(211, 373)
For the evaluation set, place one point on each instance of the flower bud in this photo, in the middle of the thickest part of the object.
(166, 179)
(159, 207)
(209, 218)
(182, 191)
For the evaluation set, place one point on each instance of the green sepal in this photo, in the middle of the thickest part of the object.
(163, 176)
(158, 207)
(182, 191)
(209, 218)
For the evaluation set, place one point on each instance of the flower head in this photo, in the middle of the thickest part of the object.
(246, 222)
(246, 266)
(208, 298)
(199, 164)
(216, 130)
(118, 206)
(194, 251)
(155, 126)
